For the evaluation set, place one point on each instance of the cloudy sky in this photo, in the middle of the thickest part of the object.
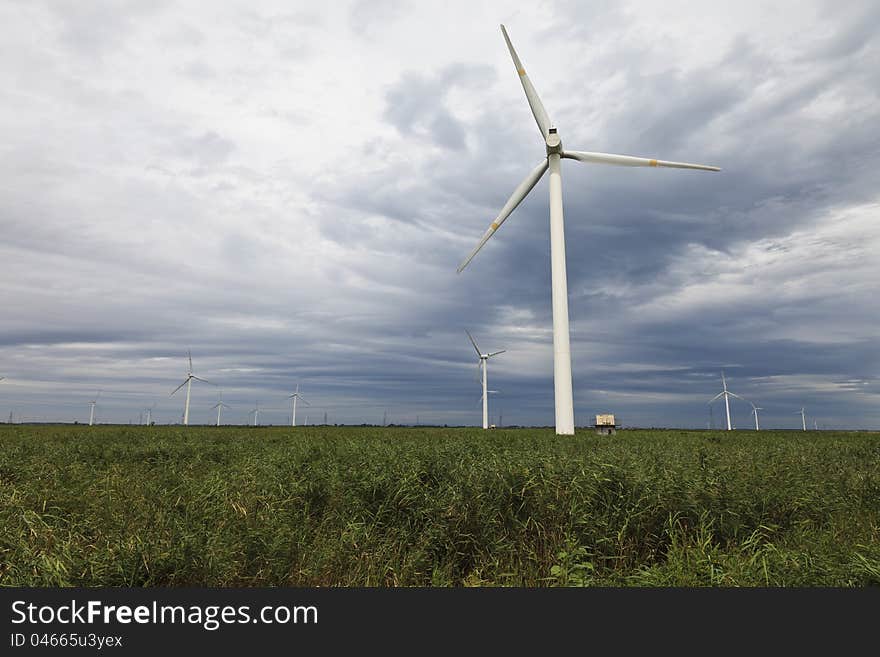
(287, 188)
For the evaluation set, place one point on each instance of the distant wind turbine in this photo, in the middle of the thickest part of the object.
(92, 405)
(150, 414)
(294, 397)
(220, 406)
(726, 394)
(559, 286)
(484, 360)
(256, 412)
(803, 418)
(188, 383)
(755, 410)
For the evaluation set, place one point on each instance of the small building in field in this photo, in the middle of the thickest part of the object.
(605, 425)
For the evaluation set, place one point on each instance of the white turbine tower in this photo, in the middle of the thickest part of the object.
(559, 284)
(755, 410)
(294, 397)
(150, 414)
(484, 360)
(726, 394)
(92, 405)
(188, 383)
(256, 412)
(803, 418)
(220, 406)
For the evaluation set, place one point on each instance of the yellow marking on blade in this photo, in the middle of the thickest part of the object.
(652, 163)
(521, 71)
(494, 226)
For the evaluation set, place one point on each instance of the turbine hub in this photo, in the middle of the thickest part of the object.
(554, 143)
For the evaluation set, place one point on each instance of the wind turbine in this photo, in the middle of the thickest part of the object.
(726, 394)
(150, 414)
(220, 406)
(256, 412)
(755, 410)
(188, 383)
(803, 418)
(92, 405)
(294, 397)
(484, 360)
(559, 285)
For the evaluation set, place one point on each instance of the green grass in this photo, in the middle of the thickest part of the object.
(325, 506)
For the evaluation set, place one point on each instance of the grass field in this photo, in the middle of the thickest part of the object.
(352, 506)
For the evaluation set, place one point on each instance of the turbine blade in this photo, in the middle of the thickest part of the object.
(473, 342)
(178, 387)
(197, 378)
(495, 353)
(518, 195)
(720, 394)
(630, 161)
(733, 394)
(535, 103)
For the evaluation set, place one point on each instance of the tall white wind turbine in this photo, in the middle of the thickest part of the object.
(188, 383)
(484, 360)
(803, 418)
(559, 284)
(294, 397)
(755, 410)
(220, 406)
(92, 405)
(726, 394)
(150, 414)
(256, 412)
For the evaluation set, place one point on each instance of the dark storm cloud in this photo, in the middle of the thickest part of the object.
(416, 104)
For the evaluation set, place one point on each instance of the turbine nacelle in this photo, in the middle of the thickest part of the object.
(553, 142)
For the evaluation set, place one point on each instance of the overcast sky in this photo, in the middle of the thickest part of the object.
(287, 189)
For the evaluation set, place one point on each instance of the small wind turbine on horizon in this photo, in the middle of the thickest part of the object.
(150, 414)
(92, 405)
(294, 397)
(256, 413)
(483, 365)
(188, 383)
(803, 418)
(726, 394)
(220, 406)
(755, 410)
(564, 401)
